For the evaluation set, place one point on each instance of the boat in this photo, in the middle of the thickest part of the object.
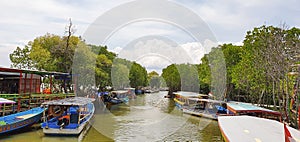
(206, 108)
(132, 92)
(123, 95)
(108, 99)
(248, 129)
(20, 120)
(151, 91)
(241, 108)
(68, 116)
(181, 98)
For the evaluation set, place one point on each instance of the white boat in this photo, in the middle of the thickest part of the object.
(68, 116)
(205, 108)
(181, 98)
(255, 129)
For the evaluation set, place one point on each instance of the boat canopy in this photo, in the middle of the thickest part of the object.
(75, 101)
(206, 100)
(120, 92)
(240, 107)
(6, 101)
(187, 94)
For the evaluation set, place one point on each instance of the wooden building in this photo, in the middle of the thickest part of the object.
(24, 87)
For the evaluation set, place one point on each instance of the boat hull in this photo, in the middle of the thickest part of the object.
(178, 103)
(53, 131)
(201, 114)
(24, 122)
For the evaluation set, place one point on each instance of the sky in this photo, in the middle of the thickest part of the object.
(152, 42)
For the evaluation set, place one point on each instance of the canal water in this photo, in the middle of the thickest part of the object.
(149, 117)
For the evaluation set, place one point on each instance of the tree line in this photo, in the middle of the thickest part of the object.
(256, 72)
(90, 63)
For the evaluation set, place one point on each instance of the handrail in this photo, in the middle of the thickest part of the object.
(86, 115)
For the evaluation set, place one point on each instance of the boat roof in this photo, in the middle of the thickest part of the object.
(187, 94)
(249, 128)
(237, 107)
(120, 91)
(129, 88)
(206, 100)
(74, 101)
(6, 101)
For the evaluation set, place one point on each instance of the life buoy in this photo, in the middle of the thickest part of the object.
(56, 110)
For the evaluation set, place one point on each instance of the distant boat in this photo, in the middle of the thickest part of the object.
(254, 129)
(181, 98)
(17, 121)
(68, 116)
(123, 95)
(205, 108)
(151, 91)
(108, 99)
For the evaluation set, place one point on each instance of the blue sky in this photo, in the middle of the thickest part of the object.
(22, 21)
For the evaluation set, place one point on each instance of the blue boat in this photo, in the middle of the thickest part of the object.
(108, 99)
(19, 120)
(68, 116)
(123, 95)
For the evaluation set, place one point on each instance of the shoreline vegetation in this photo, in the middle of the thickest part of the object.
(259, 71)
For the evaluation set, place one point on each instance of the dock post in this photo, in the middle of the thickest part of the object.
(19, 104)
(4, 107)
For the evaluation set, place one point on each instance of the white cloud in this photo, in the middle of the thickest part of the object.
(5, 50)
(229, 20)
(156, 53)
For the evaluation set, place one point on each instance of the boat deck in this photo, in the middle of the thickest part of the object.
(253, 129)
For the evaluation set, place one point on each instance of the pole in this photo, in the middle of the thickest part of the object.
(297, 99)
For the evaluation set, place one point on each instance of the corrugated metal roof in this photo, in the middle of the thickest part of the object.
(75, 101)
(2, 69)
(187, 94)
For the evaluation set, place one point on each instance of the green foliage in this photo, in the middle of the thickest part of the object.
(120, 76)
(20, 58)
(154, 79)
(137, 76)
(128, 74)
(48, 52)
(189, 77)
(204, 75)
(266, 58)
(172, 78)
(84, 65)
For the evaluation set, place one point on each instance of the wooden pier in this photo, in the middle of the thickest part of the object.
(24, 87)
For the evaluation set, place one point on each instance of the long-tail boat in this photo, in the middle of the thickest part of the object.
(20, 120)
(67, 116)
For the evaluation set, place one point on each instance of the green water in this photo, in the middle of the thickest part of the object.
(149, 117)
